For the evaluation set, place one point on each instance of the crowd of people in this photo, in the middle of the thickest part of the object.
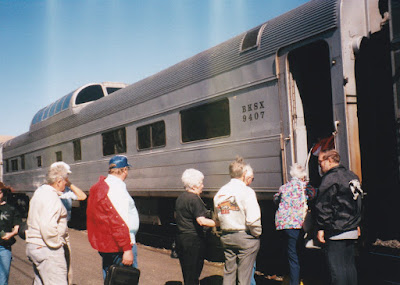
(113, 222)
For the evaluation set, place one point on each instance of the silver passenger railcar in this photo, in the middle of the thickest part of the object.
(268, 95)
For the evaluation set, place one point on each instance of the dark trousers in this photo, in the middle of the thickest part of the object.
(292, 236)
(191, 250)
(340, 260)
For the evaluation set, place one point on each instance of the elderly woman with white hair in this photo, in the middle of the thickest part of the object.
(191, 217)
(292, 198)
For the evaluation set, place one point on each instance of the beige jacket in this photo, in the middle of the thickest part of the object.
(237, 208)
(47, 218)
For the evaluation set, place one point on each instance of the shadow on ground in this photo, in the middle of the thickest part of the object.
(210, 280)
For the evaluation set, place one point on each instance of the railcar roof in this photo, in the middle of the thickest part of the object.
(310, 19)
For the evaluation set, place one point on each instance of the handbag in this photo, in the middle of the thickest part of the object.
(308, 223)
(22, 228)
(122, 275)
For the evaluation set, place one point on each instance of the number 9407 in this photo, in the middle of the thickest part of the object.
(253, 116)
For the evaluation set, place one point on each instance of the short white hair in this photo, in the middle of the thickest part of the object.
(298, 171)
(61, 164)
(192, 178)
(249, 171)
(56, 171)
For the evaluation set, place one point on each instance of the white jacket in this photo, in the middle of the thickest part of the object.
(237, 208)
(47, 218)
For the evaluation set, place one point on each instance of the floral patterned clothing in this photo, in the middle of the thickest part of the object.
(292, 199)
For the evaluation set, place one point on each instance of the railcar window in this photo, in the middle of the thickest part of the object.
(22, 162)
(52, 109)
(143, 137)
(91, 93)
(7, 167)
(252, 39)
(66, 101)
(112, 89)
(39, 161)
(14, 165)
(151, 136)
(46, 113)
(58, 155)
(77, 150)
(37, 117)
(59, 105)
(206, 121)
(114, 142)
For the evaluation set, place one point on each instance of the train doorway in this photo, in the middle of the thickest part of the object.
(310, 100)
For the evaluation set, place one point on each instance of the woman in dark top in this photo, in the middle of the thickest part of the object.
(190, 218)
(9, 224)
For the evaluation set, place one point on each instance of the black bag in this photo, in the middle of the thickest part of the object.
(308, 224)
(122, 275)
(22, 228)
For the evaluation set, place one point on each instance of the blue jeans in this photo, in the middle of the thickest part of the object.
(253, 279)
(5, 263)
(294, 265)
(340, 259)
(116, 258)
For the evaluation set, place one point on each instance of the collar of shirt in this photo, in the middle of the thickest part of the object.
(238, 181)
(51, 188)
(114, 179)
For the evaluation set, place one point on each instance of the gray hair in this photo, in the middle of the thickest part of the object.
(56, 171)
(192, 178)
(236, 168)
(298, 171)
(249, 170)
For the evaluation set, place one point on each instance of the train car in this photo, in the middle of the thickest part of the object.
(323, 69)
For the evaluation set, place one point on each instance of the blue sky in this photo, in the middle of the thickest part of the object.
(49, 48)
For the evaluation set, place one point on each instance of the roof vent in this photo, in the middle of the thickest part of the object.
(252, 38)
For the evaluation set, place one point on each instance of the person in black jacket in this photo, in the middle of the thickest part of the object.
(10, 220)
(338, 214)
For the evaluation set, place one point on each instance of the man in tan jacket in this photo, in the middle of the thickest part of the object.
(47, 233)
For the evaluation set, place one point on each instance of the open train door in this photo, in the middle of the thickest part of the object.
(394, 26)
(306, 92)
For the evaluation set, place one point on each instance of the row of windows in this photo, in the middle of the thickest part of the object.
(207, 121)
(58, 157)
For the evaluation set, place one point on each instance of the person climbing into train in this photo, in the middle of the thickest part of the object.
(10, 220)
(292, 207)
(338, 215)
(112, 217)
(191, 217)
(239, 216)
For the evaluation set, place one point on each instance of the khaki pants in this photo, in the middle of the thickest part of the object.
(67, 250)
(240, 251)
(49, 265)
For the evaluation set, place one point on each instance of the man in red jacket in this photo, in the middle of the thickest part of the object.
(112, 217)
